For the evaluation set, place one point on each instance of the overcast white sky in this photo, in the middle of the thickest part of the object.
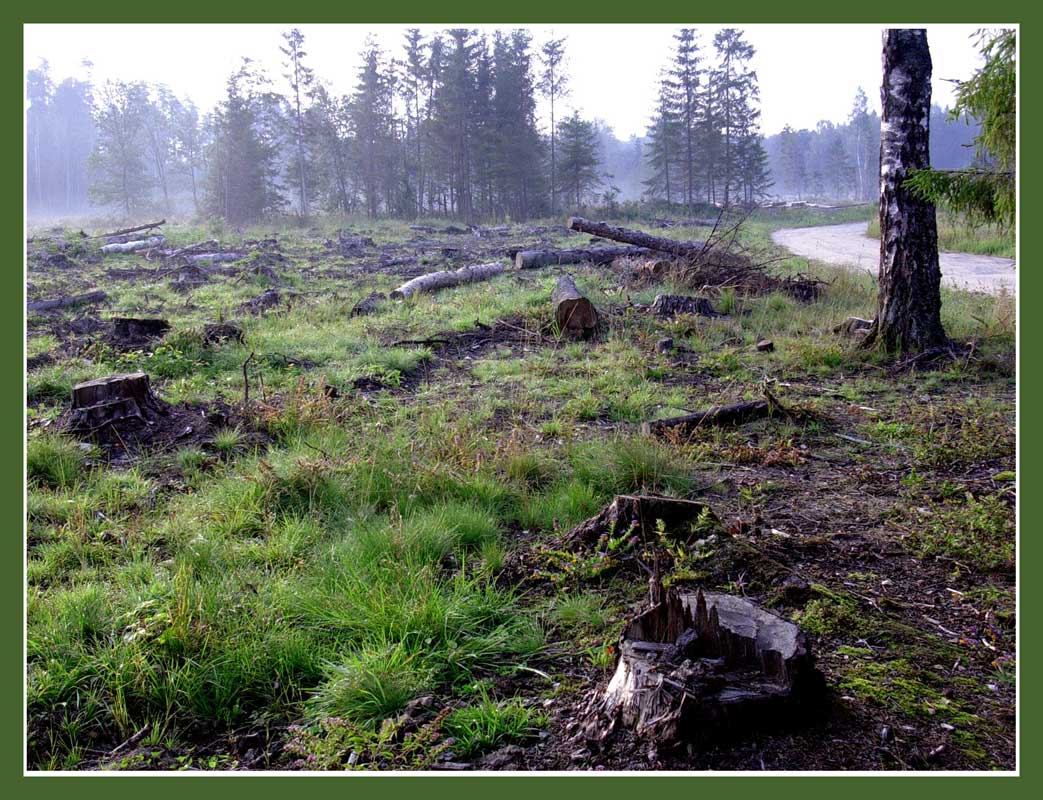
(807, 72)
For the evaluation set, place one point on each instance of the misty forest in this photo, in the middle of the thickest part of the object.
(434, 427)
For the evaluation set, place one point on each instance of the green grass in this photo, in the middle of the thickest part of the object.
(489, 724)
(326, 561)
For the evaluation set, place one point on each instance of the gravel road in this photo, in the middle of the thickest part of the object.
(848, 245)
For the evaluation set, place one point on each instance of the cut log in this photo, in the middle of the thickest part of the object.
(68, 302)
(695, 666)
(137, 328)
(689, 249)
(433, 281)
(736, 414)
(670, 305)
(134, 246)
(639, 513)
(113, 399)
(531, 259)
(368, 304)
(574, 313)
(124, 231)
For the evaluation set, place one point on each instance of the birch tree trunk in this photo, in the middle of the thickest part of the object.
(909, 302)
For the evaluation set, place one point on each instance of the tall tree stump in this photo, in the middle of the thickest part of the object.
(574, 313)
(909, 300)
(113, 399)
(694, 666)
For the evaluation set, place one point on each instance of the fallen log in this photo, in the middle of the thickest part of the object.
(190, 248)
(68, 302)
(531, 259)
(639, 513)
(735, 414)
(124, 231)
(133, 247)
(574, 313)
(695, 666)
(113, 399)
(433, 281)
(214, 258)
(690, 249)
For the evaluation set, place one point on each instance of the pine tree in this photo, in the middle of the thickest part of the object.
(736, 91)
(663, 146)
(554, 86)
(864, 145)
(684, 85)
(242, 183)
(300, 79)
(578, 175)
(370, 114)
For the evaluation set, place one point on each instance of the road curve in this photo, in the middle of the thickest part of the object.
(848, 245)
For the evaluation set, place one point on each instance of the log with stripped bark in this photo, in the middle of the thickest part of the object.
(132, 247)
(433, 281)
(573, 311)
(531, 259)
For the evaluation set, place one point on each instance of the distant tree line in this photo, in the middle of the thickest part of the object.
(842, 162)
(446, 126)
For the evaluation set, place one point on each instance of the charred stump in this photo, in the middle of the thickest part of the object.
(695, 666)
(114, 399)
(909, 303)
(368, 304)
(670, 305)
(138, 329)
(218, 332)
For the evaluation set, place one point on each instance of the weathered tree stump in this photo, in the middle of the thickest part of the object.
(113, 399)
(629, 512)
(574, 313)
(670, 305)
(139, 328)
(368, 304)
(696, 665)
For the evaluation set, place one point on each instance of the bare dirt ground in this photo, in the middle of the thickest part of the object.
(848, 245)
